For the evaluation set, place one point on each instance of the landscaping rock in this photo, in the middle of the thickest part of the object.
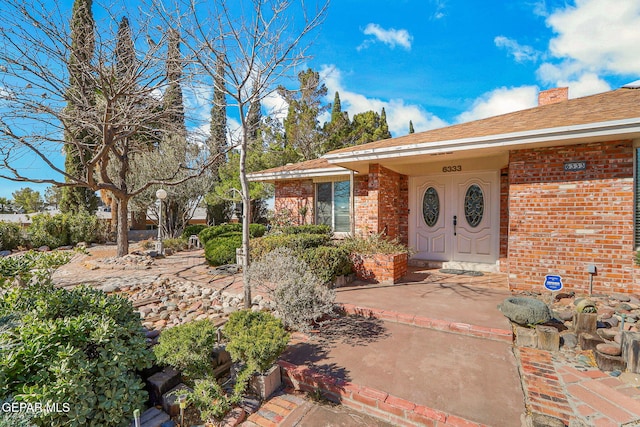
(568, 339)
(4, 253)
(525, 310)
(609, 349)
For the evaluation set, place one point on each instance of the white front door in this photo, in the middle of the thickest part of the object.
(455, 217)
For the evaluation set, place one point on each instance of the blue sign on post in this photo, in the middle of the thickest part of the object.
(553, 283)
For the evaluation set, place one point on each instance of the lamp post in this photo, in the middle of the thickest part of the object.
(161, 195)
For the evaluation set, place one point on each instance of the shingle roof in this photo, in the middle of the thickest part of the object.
(619, 104)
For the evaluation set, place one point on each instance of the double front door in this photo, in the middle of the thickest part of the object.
(455, 217)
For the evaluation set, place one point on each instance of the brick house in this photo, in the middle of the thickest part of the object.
(551, 190)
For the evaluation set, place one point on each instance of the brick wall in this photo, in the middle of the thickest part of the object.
(504, 220)
(382, 203)
(560, 222)
(295, 198)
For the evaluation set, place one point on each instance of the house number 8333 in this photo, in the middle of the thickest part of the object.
(455, 168)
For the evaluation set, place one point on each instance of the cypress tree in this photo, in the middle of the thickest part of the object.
(411, 130)
(80, 96)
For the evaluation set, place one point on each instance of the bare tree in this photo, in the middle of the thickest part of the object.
(258, 43)
(120, 120)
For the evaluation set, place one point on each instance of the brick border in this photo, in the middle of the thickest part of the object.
(496, 334)
(368, 400)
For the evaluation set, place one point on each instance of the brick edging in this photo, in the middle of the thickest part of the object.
(496, 334)
(369, 400)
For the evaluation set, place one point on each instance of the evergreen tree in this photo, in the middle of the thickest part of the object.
(218, 209)
(411, 130)
(336, 132)
(382, 132)
(80, 95)
(302, 130)
(173, 95)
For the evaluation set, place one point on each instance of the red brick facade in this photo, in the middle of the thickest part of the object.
(295, 201)
(552, 221)
(562, 221)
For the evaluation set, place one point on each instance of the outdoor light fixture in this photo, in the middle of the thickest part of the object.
(161, 194)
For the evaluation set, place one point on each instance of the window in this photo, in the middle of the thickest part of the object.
(332, 205)
(637, 197)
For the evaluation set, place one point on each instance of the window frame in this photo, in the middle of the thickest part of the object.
(333, 206)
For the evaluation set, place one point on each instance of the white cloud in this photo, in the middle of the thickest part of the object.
(598, 36)
(500, 101)
(571, 74)
(390, 37)
(440, 6)
(399, 113)
(521, 53)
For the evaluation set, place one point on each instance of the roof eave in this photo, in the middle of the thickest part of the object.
(508, 140)
(298, 174)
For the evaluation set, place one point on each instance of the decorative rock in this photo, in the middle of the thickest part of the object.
(568, 339)
(607, 362)
(609, 349)
(585, 306)
(620, 297)
(43, 249)
(525, 311)
(540, 420)
(4, 253)
(565, 315)
(607, 334)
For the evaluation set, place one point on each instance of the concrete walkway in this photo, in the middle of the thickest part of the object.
(416, 359)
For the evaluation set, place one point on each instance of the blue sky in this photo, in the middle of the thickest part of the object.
(441, 62)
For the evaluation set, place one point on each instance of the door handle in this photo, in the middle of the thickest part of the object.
(455, 223)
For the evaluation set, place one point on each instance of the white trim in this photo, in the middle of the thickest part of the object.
(297, 174)
(514, 139)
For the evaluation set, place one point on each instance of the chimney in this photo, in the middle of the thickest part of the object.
(552, 96)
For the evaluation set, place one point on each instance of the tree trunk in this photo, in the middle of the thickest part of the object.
(246, 214)
(122, 236)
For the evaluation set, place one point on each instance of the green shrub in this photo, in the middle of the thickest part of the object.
(299, 295)
(10, 236)
(177, 245)
(307, 229)
(39, 265)
(255, 230)
(82, 227)
(327, 262)
(222, 250)
(298, 243)
(80, 347)
(63, 229)
(47, 230)
(188, 348)
(256, 338)
(190, 230)
(373, 244)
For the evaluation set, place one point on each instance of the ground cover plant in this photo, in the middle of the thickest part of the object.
(78, 347)
(38, 266)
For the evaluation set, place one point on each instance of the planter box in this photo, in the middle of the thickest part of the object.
(265, 385)
(380, 268)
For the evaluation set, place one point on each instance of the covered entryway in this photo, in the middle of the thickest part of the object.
(455, 217)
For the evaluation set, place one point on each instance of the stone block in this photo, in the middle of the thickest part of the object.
(631, 350)
(160, 383)
(170, 399)
(526, 337)
(589, 341)
(607, 362)
(265, 385)
(548, 338)
(152, 417)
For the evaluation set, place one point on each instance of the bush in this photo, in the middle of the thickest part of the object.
(188, 348)
(255, 338)
(10, 236)
(47, 230)
(63, 229)
(328, 262)
(222, 250)
(298, 243)
(80, 347)
(190, 230)
(177, 244)
(255, 230)
(299, 295)
(373, 244)
(39, 265)
(307, 229)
